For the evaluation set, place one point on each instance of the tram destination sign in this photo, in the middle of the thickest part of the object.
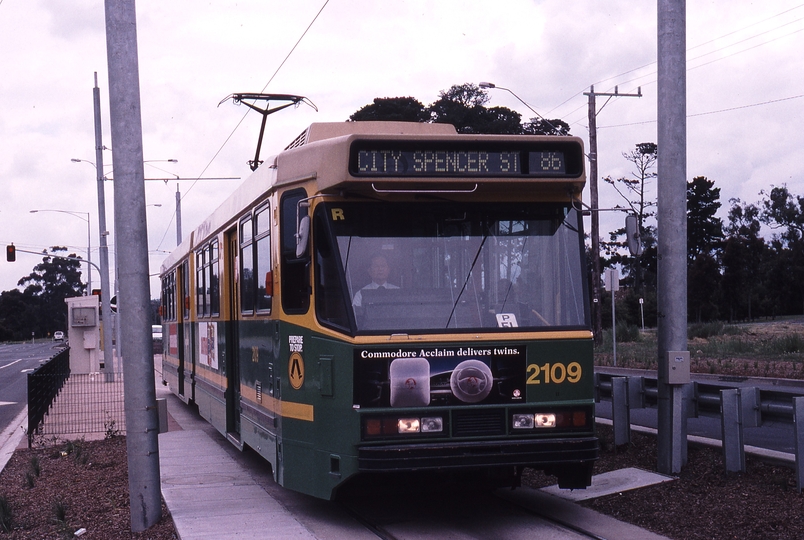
(561, 160)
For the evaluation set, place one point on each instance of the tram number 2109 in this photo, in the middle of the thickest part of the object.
(556, 373)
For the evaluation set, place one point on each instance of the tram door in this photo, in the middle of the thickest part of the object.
(181, 292)
(233, 338)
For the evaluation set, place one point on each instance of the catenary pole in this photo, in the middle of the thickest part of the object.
(142, 423)
(672, 229)
(106, 312)
(178, 215)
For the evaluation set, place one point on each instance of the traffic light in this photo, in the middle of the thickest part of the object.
(11, 253)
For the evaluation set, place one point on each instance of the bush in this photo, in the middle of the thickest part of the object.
(787, 344)
(705, 330)
(627, 332)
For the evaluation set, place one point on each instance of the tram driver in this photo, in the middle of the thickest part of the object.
(378, 271)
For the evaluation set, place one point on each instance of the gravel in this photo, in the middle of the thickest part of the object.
(704, 502)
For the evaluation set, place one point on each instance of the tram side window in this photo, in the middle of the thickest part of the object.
(331, 306)
(200, 286)
(207, 279)
(213, 280)
(185, 289)
(171, 303)
(295, 272)
(263, 273)
(246, 265)
(169, 297)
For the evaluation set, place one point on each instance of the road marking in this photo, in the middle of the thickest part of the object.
(7, 403)
(11, 363)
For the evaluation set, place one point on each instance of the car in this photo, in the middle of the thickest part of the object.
(58, 335)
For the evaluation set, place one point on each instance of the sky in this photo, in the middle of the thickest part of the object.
(745, 94)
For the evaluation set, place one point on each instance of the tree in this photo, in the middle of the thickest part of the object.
(634, 193)
(783, 210)
(398, 109)
(703, 288)
(704, 229)
(464, 106)
(51, 281)
(542, 126)
(743, 257)
(18, 315)
(704, 239)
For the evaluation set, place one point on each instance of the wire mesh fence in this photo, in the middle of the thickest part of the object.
(88, 405)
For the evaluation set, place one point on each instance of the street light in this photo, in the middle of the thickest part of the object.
(488, 85)
(79, 215)
(103, 251)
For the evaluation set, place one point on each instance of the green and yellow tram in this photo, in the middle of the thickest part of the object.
(389, 297)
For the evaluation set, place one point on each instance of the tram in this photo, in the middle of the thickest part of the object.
(393, 298)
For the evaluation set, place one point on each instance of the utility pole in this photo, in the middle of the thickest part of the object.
(178, 197)
(142, 422)
(597, 312)
(106, 311)
(672, 234)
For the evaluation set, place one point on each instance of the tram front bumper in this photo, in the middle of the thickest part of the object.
(537, 453)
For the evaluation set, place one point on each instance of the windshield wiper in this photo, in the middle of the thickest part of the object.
(466, 281)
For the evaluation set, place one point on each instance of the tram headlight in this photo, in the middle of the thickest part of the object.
(538, 420)
(408, 425)
(544, 420)
(433, 424)
(395, 426)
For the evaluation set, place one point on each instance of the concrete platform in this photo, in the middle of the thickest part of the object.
(610, 483)
(209, 495)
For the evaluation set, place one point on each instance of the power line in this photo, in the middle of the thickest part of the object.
(237, 126)
(653, 73)
(729, 109)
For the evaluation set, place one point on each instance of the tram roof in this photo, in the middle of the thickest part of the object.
(323, 144)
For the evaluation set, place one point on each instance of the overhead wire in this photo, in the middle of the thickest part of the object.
(242, 119)
(728, 109)
(742, 29)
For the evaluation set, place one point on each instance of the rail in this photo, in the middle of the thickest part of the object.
(44, 384)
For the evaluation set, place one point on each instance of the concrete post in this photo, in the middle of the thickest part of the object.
(672, 227)
(106, 311)
(142, 422)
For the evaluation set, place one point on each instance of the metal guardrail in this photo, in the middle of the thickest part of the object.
(739, 402)
(44, 384)
(759, 404)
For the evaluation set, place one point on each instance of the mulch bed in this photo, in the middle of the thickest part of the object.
(53, 491)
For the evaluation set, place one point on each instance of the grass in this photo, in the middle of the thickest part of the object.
(761, 349)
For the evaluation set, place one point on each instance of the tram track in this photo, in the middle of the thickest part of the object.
(468, 515)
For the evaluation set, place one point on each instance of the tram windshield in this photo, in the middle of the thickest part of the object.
(434, 267)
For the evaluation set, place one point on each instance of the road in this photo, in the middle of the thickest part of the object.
(16, 361)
